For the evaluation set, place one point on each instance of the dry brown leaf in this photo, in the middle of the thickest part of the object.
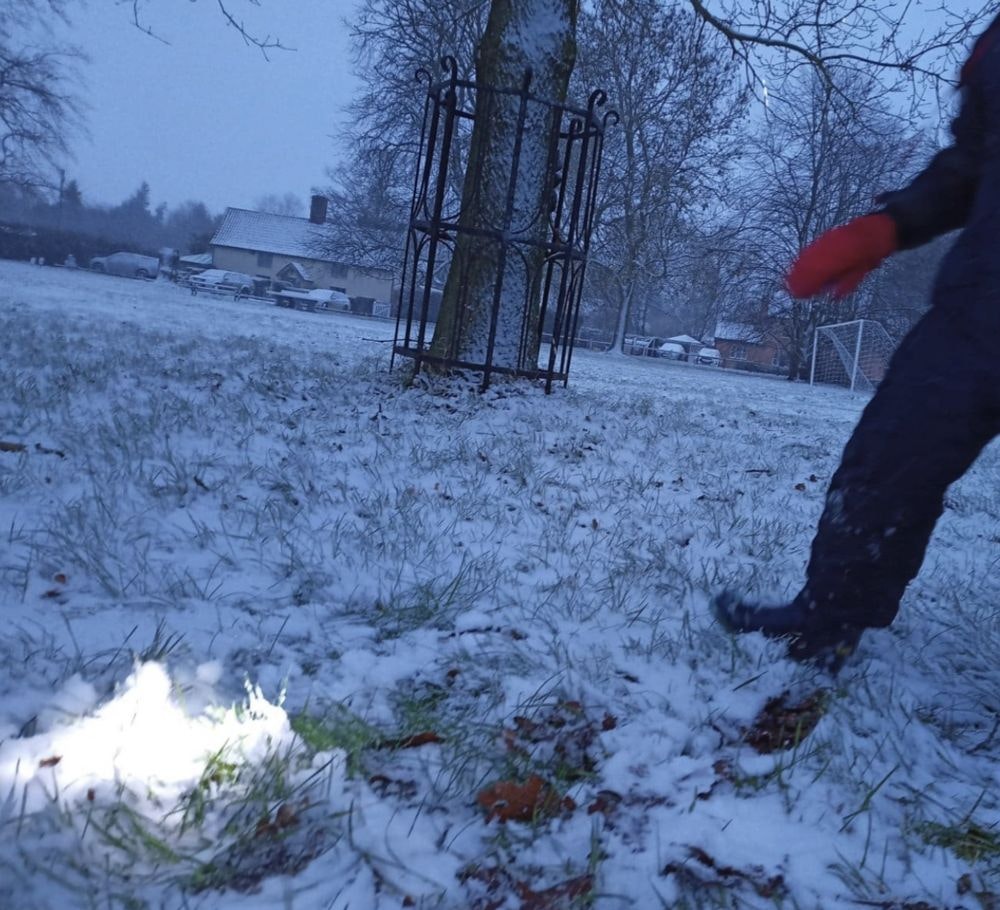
(510, 801)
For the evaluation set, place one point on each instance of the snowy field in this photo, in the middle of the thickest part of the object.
(280, 632)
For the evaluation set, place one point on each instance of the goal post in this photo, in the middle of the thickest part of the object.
(853, 354)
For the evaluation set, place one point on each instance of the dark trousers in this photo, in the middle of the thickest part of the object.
(934, 412)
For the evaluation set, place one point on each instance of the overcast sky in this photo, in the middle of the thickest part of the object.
(206, 117)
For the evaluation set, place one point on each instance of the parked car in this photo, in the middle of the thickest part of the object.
(672, 351)
(220, 281)
(131, 265)
(642, 345)
(315, 299)
(710, 357)
(331, 300)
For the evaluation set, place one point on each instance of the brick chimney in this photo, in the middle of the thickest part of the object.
(317, 211)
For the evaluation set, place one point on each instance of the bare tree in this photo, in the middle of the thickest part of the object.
(38, 105)
(371, 197)
(677, 135)
(713, 276)
(285, 204)
(228, 10)
(393, 41)
(819, 162)
(774, 38)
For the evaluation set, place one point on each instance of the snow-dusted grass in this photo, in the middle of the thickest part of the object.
(242, 566)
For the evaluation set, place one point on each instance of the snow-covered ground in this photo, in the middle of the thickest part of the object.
(275, 626)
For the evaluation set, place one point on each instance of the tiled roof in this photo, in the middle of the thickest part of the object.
(197, 259)
(267, 233)
(737, 331)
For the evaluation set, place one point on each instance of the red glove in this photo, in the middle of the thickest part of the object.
(839, 259)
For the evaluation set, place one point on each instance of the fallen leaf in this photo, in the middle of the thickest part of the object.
(509, 800)
(605, 802)
(571, 891)
(783, 723)
(50, 762)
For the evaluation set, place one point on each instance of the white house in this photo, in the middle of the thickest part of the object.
(297, 252)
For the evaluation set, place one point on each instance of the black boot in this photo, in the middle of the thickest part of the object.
(810, 640)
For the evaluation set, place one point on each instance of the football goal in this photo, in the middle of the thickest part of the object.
(853, 354)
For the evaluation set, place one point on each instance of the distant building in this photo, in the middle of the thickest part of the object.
(296, 253)
(744, 347)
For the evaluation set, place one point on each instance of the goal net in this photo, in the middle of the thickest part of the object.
(853, 354)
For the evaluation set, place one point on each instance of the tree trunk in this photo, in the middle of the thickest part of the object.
(621, 325)
(521, 35)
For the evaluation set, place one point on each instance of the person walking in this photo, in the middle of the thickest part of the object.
(938, 405)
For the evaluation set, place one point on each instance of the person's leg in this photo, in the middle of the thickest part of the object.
(929, 420)
(931, 416)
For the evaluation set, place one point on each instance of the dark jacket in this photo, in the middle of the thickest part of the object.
(961, 185)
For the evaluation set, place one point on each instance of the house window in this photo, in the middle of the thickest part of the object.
(780, 359)
(738, 352)
(337, 270)
(342, 290)
(264, 260)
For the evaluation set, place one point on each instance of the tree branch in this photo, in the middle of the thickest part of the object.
(264, 43)
(834, 34)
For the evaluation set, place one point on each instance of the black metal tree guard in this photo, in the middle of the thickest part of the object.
(551, 307)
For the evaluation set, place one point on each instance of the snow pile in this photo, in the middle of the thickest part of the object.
(160, 786)
(142, 740)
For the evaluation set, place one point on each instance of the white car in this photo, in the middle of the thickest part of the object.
(672, 351)
(710, 357)
(220, 281)
(315, 299)
(131, 265)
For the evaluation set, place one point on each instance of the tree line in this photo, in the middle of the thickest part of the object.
(134, 223)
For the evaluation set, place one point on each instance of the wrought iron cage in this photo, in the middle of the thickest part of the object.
(536, 267)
